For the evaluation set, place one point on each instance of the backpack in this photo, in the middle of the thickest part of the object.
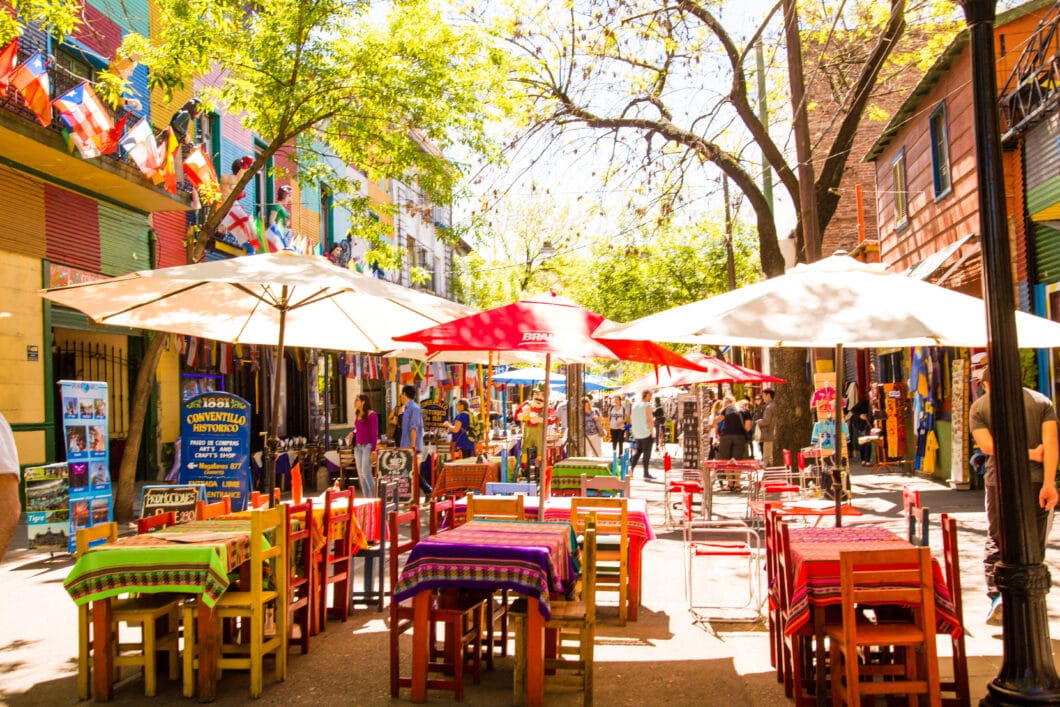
(474, 430)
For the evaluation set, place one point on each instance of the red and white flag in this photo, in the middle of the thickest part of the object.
(199, 168)
(88, 121)
(8, 62)
(240, 225)
(140, 144)
(31, 80)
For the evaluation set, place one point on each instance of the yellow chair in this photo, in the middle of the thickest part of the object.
(612, 536)
(268, 590)
(144, 610)
(574, 623)
(507, 508)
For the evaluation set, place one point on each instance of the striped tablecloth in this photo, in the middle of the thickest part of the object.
(567, 474)
(534, 559)
(458, 477)
(191, 558)
(815, 557)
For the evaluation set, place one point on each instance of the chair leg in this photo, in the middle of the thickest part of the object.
(189, 649)
(148, 654)
(257, 633)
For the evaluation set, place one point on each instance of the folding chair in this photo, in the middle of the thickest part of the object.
(719, 539)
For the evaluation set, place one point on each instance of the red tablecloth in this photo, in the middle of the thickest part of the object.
(815, 557)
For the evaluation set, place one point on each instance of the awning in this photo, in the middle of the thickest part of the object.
(929, 265)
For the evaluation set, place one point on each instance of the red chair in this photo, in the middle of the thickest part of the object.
(951, 560)
(442, 515)
(301, 587)
(797, 649)
(212, 511)
(918, 517)
(787, 458)
(155, 522)
(258, 500)
(336, 554)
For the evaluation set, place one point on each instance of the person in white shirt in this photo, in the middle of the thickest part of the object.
(640, 419)
(10, 474)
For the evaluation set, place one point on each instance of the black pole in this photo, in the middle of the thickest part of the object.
(272, 442)
(1027, 674)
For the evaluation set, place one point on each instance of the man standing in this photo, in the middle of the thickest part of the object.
(767, 426)
(1042, 440)
(412, 431)
(641, 421)
(9, 478)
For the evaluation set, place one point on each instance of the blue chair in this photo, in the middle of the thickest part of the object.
(500, 488)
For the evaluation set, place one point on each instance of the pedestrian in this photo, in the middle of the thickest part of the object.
(714, 420)
(412, 430)
(617, 419)
(10, 475)
(640, 421)
(594, 429)
(658, 414)
(736, 423)
(767, 426)
(459, 429)
(1041, 420)
(365, 437)
(860, 426)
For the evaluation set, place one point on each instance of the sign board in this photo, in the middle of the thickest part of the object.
(400, 465)
(215, 446)
(85, 431)
(435, 417)
(48, 507)
(179, 499)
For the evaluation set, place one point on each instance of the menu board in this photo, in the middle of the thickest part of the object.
(170, 497)
(435, 417)
(48, 507)
(398, 465)
(85, 431)
(215, 446)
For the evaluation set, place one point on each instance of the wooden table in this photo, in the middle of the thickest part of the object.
(191, 558)
(532, 559)
(815, 562)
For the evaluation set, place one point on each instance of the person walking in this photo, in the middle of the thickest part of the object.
(658, 414)
(617, 419)
(1041, 421)
(767, 426)
(10, 474)
(593, 429)
(459, 429)
(365, 439)
(736, 423)
(412, 431)
(641, 421)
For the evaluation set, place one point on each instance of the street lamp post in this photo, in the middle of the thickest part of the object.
(1027, 674)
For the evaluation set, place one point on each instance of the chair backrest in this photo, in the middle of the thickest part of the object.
(211, 511)
(800, 460)
(612, 517)
(588, 595)
(155, 522)
(510, 488)
(101, 531)
(441, 515)
(258, 500)
(918, 517)
(784, 565)
(303, 514)
(337, 529)
(346, 458)
(395, 522)
(605, 485)
(506, 508)
(787, 458)
(880, 577)
(268, 543)
(951, 561)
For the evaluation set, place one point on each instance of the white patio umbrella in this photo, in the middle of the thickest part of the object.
(276, 299)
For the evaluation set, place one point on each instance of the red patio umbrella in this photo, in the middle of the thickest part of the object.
(717, 371)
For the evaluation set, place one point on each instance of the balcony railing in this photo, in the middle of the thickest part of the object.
(1032, 90)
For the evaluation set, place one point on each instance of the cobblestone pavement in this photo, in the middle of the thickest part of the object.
(665, 656)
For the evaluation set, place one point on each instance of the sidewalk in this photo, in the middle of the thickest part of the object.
(665, 656)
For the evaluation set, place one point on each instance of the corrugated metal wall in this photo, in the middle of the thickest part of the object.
(130, 15)
(1043, 164)
(1047, 246)
(22, 213)
(169, 230)
(72, 228)
(98, 32)
(123, 239)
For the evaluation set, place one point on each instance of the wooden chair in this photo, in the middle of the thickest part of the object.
(951, 561)
(301, 575)
(797, 654)
(372, 592)
(147, 611)
(258, 500)
(460, 613)
(774, 617)
(442, 515)
(603, 485)
(574, 623)
(347, 466)
(917, 516)
(268, 549)
(212, 511)
(335, 557)
(507, 508)
(884, 577)
(612, 552)
(155, 522)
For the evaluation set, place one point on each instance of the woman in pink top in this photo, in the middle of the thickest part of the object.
(366, 435)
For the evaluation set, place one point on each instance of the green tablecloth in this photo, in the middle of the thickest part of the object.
(567, 474)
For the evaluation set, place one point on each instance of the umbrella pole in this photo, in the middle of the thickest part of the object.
(272, 442)
(840, 442)
(544, 441)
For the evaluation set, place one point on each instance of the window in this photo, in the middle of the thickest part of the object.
(262, 186)
(901, 203)
(327, 218)
(940, 152)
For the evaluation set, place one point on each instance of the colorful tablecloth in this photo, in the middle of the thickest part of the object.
(815, 558)
(459, 477)
(191, 558)
(534, 559)
(567, 474)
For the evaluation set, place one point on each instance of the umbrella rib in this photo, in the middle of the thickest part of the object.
(141, 305)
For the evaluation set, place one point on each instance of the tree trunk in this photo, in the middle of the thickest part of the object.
(794, 421)
(123, 502)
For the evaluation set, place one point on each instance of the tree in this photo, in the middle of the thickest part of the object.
(327, 82)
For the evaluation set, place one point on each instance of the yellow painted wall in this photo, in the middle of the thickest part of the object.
(168, 377)
(161, 109)
(21, 325)
(304, 221)
(67, 337)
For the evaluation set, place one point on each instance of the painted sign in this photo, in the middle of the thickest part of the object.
(434, 416)
(179, 499)
(215, 446)
(48, 507)
(85, 431)
(398, 465)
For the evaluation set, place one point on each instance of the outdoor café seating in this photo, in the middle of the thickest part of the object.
(612, 552)
(334, 572)
(301, 577)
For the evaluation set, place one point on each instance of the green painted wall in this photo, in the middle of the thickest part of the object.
(123, 241)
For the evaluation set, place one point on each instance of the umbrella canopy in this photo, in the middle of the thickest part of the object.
(241, 300)
(499, 358)
(545, 324)
(837, 300)
(718, 371)
(536, 376)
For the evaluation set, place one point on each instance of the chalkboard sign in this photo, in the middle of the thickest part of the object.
(434, 416)
(179, 499)
(399, 465)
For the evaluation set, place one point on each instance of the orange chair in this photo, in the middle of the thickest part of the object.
(155, 522)
(951, 560)
(461, 614)
(335, 556)
(258, 500)
(301, 585)
(212, 511)
(796, 650)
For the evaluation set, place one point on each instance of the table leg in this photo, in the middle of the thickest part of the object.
(421, 605)
(819, 656)
(535, 654)
(636, 546)
(102, 652)
(707, 504)
(206, 634)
